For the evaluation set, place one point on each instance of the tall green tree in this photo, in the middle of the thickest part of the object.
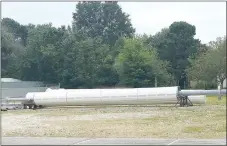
(138, 66)
(93, 64)
(210, 66)
(102, 19)
(107, 22)
(176, 44)
(11, 51)
(18, 31)
(40, 60)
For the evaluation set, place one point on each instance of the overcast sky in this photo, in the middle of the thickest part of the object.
(147, 17)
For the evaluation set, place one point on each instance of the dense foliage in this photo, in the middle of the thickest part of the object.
(101, 49)
(210, 66)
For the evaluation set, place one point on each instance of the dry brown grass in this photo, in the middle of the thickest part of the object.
(206, 121)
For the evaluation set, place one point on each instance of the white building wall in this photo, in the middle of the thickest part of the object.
(20, 92)
(21, 88)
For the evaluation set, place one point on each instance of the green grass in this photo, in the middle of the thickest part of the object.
(213, 100)
(192, 129)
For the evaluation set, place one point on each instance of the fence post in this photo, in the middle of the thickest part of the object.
(156, 82)
(219, 96)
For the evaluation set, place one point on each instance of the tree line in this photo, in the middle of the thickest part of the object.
(101, 49)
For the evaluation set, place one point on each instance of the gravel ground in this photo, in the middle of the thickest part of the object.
(137, 121)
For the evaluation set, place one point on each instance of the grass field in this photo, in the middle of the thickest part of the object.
(201, 121)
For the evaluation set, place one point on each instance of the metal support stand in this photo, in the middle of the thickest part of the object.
(35, 107)
(24, 106)
(40, 106)
(183, 101)
(30, 106)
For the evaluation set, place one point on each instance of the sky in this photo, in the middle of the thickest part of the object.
(146, 17)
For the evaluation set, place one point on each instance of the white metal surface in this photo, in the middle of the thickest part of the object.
(127, 96)
(202, 92)
(197, 99)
